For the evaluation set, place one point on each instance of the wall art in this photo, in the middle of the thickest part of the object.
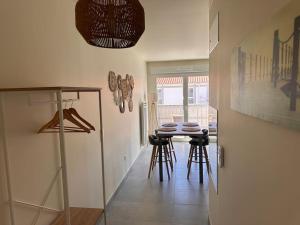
(122, 90)
(265, 80)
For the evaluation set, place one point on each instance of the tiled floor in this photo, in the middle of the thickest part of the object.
(178, 201)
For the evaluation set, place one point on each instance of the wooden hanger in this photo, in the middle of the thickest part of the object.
(76, 114)
(68, 116)
(53, 125)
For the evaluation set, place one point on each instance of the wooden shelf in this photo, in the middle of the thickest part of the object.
(80, 216)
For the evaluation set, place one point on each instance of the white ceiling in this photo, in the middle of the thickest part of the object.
(175, 30)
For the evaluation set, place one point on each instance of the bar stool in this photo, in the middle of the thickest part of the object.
(153, 140)
(171, 148)
(205, 142)
(195, 138)
(195, 143)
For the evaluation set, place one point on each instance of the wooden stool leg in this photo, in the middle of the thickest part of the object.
(174, 155)
(190, 161)
(170, 157)
(166, 160)
(155, 157)
(171, 143)
(206, 158)
(201, 165)
(170, 149)
(190, 155)
(196, 153)
(151, 161)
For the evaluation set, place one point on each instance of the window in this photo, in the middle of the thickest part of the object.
(160, 96)
(202, 94)
(182, 99)
(191, 95)
(173, 95)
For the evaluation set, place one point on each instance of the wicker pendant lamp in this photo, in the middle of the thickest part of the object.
(110, 23)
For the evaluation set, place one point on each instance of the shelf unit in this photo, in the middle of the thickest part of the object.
(70, 215)
(80, 216)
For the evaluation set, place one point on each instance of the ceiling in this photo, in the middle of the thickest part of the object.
(175, 30)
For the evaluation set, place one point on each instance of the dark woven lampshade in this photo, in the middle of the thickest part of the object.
(110, 23)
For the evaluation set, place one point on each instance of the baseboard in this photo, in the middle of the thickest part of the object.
(117, 190)
(111, 198)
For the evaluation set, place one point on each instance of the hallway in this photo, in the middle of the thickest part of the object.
(140, 201)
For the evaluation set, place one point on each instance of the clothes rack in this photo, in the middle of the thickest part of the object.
(64, 217)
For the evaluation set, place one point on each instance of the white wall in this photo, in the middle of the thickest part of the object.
(260, 182)
(175, 30)
(40, 46)
(3, 213)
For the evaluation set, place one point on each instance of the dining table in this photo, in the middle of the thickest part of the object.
(180, 131)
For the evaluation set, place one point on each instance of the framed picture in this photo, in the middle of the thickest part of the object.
(265, 80)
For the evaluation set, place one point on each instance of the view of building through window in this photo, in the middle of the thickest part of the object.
(182, 99)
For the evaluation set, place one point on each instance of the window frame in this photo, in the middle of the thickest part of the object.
(160, 95)
(192, 97)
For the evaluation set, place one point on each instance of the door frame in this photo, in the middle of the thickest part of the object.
(185, 84)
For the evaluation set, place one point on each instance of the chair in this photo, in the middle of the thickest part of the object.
(205, 142)
(171, 148)
(153, 140)
(195, 143)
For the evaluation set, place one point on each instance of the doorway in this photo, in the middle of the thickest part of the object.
(183, 99)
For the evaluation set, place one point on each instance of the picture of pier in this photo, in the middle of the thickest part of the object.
(265, 79)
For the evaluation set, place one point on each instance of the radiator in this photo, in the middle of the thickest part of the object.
(144, 123)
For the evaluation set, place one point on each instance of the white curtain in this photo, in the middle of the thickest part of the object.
(153, 121)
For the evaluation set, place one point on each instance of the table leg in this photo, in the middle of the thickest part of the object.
(201, 163)
(161, 175)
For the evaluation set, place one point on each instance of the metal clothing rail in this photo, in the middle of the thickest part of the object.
(58, 91)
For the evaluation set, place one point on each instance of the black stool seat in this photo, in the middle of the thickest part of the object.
(194, 137)
(155, 141)
(168, 136)
(205, 131)
(205, 141)
(163, 142)
(195, 142)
